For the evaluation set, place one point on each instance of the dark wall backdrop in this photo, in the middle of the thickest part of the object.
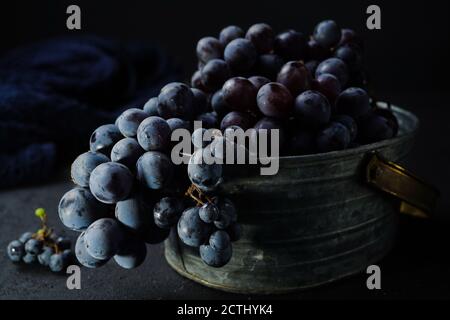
(409, 53)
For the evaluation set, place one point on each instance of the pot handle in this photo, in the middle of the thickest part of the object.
(417, 197)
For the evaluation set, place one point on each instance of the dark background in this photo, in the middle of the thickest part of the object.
(409, 64)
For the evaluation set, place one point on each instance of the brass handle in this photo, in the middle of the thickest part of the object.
(417, 198)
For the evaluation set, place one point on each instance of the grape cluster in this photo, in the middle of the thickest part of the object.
(43, 246)
(313, 89)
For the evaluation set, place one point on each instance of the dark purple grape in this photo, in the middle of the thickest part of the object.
(209, 212)
(389, 115)
(111, 182)
(177, 123)
(209, 48)
(104, 138)
(83, 165)
(214, 74)
(129, 121)
(302, 142)
(126, 152)
(134, 213)
(258, 81)
(219, 240)
(291, 45)
(230, 33)
(196, 81)
(219, 105)
(351, 56)
(236, 118)
(209, 120)
(215, 258)
(132, 253)
(240, 54)
(167, 211)
(153, 134)
(83, 256)
(316, 51)
(269, 65)
(227, 214)
(327, 34)
(275, 100)
(176, 100)
(349, 123)
(312, 109)
(262, 37)
(294, 76)
(336, 67)
(154, 170)
(239, 94)
(311, 66)
(334, 137)
(374, 127)
(353, 102)
(151, 107)
(205, 176)
(103, 238)
(15, 251)
(201, 103)
(191, 229)
(270, 124)
(328, 85)
(349, 36)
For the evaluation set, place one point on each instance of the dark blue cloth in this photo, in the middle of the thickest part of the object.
(53, 94)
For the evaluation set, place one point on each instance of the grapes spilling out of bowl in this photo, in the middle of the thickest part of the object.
(44, 247)
(130, 193)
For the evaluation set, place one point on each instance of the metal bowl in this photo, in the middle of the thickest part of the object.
(314, 222)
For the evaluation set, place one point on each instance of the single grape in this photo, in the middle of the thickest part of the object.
(154, 170)
(234, 231)
(151, 107)
(258, 81)
(351, 56)
(44, 257)
(57, 262)
(219, 240)
(239, 94)
(353, 102)
(275, 100)
(177, 123)
(191, 229)
(129, 121)
(374, 127)
(230, 33)
(132, 255)
(240, 54)
(349, 123)
(134, 213)
(63, 243)
(209, 120)
(390, 117)
(328, 85)
(201, 103)
(154, 134)
(291, 45)
(15, 250)
(167, 211)
(126, 152)
(336, 67)
(209, 48)
(236, 118)
(215, 258)
(176, 100)
(218, 104)
(208, 212)
(294, 76)
(29, 258)
(302, 142)
(26, 236)
(268, 65)
(33, 246)
(262, 37)
(83, 165)
(78, 208)
(349, 36)
(334, 137)
(111, 182)
(214, 74)
(205, 176)
(312, 109)
(103, 238)
(327, 33)
(316, 51)
(83, 256)
(104, 138)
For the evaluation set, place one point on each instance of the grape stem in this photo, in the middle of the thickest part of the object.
(198, 195)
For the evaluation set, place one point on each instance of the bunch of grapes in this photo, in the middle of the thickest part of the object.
(43, 246)
(313, 89)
